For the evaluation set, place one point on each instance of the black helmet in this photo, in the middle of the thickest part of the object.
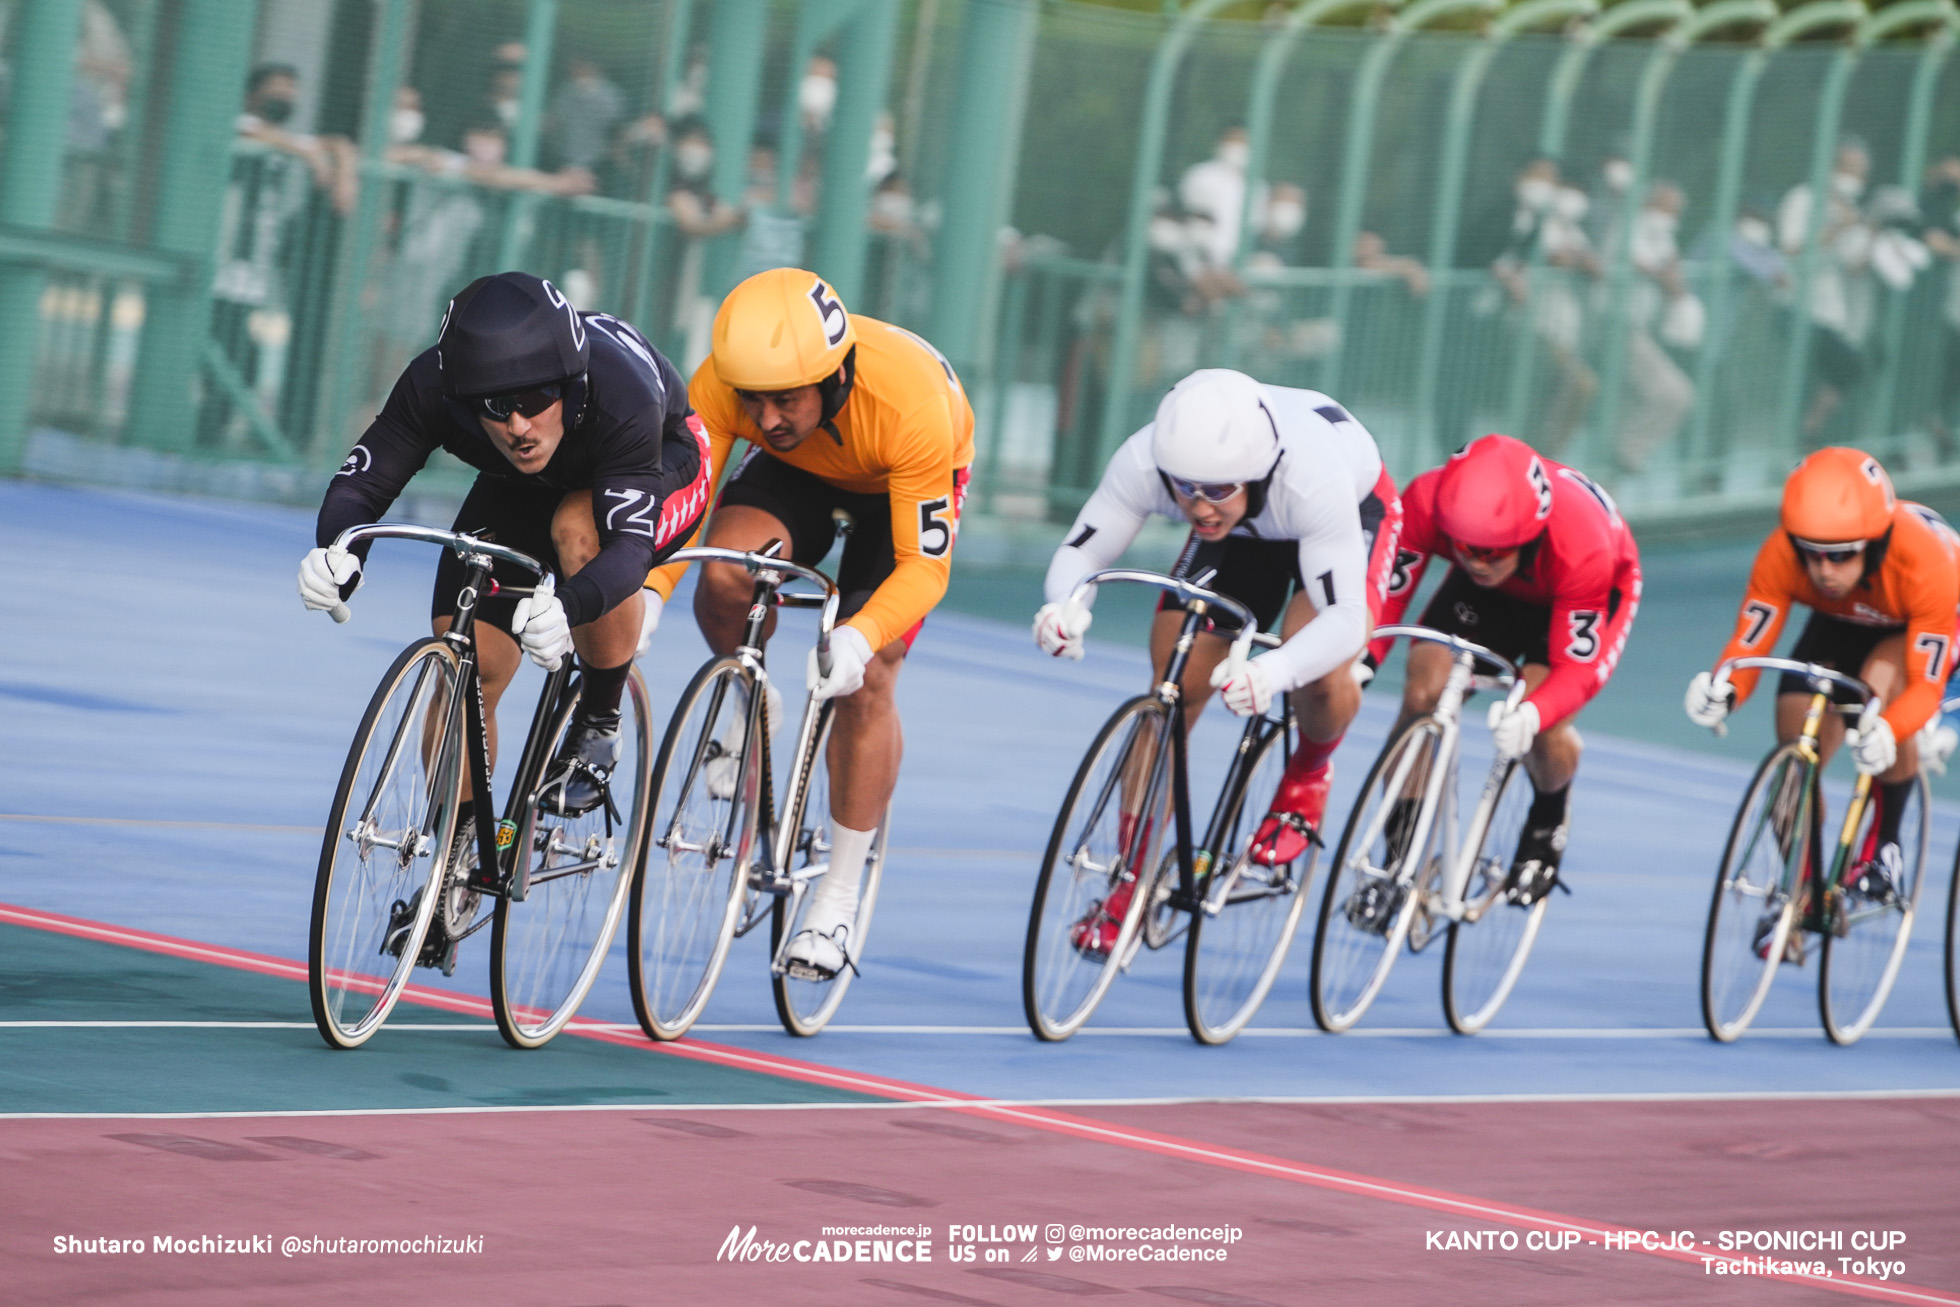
(509, 332)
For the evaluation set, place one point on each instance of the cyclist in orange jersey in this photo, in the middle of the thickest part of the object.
(1882, 580)
(840, 412)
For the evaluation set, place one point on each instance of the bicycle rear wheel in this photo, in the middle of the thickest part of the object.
(1239, 937)
(1371, 896)
(1754, 908)
(546, 951)
(806, 1005)
(688, 890)
(1860, 965)
(1485, 955)
(394, 815)
(1085, 862)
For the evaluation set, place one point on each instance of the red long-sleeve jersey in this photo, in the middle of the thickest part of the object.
(1585, 568)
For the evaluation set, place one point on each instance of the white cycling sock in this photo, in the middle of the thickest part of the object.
(837, 892)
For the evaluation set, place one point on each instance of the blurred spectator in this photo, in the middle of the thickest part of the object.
(816, 94)
(583, 115)
(506, 94)
(1285, 219)
(1752, 247)
(690, 96)
(1607, 205)
(1214, 189)
(690, 196)
(486, 146)
(1898, 255)
(1658, 305)
(1837, 317)
(1545, 226)
(1371, 252)
(271, 95)
(882, 161)
(1941, 206)
(892, 213)
(98, 106)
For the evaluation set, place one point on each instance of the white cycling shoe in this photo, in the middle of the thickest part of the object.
(721, 771)
(823, 947)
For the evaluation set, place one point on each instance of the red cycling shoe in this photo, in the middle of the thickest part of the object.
(1290, 827)
(1095, 935)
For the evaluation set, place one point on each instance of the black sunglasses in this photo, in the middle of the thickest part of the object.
(528, 402)
(1831, 553)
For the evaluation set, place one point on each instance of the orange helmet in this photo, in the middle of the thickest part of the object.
(1836, 496)
(781, 329)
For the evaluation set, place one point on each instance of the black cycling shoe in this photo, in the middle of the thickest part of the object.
(1534, 871)
(1878, 880)
(580, 778)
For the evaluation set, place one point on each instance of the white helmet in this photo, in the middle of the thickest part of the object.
(1214, 427)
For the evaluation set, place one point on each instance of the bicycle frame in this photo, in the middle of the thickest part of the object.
(1439, 794)
(1194, 863)
(496, 842)
(1796, 862)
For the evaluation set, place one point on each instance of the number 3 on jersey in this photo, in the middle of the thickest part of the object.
(1585, 636)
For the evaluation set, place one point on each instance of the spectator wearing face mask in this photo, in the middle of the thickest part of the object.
(271, 98)
(1214, 189)
(816, 95)
(1839, 309)
(505, 98)
(1659, 305)
(1546, 228)
(1610, 201)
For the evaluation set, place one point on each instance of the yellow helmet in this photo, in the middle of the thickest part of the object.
(781, 329)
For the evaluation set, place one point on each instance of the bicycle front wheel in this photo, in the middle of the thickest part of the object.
(1487, 949)
(1095, 850)
(1240, 934)
(805, 1004)
(1863, 950)
(394, 815)
(1754, 909)
(546, 951)
(1372, 891)
(687, 893)
(1953, 963)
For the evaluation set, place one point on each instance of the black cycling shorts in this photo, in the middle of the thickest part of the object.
(1837, 644)
(1504, 624)
(517, 516)
(806, 504)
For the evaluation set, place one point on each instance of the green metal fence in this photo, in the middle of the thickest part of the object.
(192, 297)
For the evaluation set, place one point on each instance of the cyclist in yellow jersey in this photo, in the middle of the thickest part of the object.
(839, 412)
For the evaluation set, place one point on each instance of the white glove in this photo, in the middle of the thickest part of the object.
(1059, 628)
(1708, 703)
(1513, 729)
(1937, 742)
(649, 618)
(1361, 672)
(540, 626)
(1248, 685)
(850, 654)
(321, 575)
(1873, 749)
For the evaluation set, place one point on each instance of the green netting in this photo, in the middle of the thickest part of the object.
(178, 292)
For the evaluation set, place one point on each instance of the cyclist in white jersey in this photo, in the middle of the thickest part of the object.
(1289, 502)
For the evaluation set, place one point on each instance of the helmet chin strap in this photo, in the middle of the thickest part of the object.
(835, 391)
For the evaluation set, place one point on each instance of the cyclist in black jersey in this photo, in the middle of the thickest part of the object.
(588, 458)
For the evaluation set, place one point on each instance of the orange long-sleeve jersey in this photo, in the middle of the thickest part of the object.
(1916, 586)
(906, 430)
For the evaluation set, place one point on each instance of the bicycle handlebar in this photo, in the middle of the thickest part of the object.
(1810, 671)
(1505, 668)
(1249, 633)
(757, 562)
(463, 543)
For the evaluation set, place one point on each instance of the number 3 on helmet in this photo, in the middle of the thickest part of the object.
(1494, 494)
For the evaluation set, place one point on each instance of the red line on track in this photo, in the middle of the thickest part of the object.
(1237, 1159)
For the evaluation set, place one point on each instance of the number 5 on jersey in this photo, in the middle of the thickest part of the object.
(935, 527)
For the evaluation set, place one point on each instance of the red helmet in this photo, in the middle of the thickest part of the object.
(1494, 494)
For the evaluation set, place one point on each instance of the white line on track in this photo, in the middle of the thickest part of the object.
(1321, 1100)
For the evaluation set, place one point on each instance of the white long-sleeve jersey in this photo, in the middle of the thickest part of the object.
(1328, 465)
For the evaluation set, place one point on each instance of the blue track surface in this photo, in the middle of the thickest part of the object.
(161, 683)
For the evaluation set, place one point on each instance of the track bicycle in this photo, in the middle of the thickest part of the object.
(1953, 921)
(398, 884)
(1133, 785)
(1773, 903)
(722, 854)
(1408, 867)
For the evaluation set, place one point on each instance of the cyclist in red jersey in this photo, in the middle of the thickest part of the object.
(1543, 571)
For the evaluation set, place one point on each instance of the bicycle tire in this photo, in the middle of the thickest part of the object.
(1361, 924)
(546, 952)
(1239, 940)
(1953, 964)
(1060, 986)
(687, 892)
(367, 907)
(806, 1006)
(1483, 959)
(1860, 966)
(1743, 945)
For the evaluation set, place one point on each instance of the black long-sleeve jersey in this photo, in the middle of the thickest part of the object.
(629, 439)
